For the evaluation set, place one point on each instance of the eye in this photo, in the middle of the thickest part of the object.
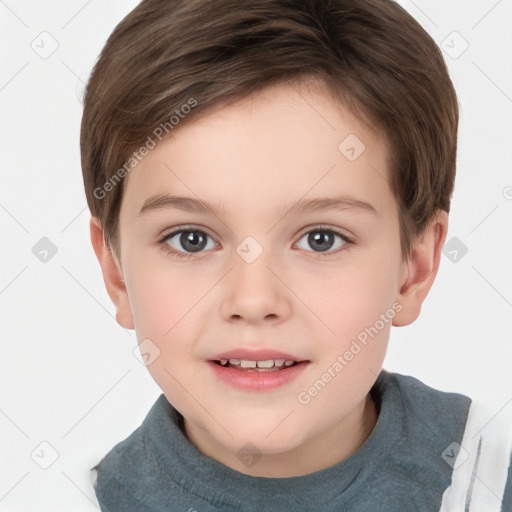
(184, 243)
(322, 239)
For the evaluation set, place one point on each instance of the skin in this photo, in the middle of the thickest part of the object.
(293, 297)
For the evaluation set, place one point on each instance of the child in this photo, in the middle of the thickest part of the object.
(222, 142)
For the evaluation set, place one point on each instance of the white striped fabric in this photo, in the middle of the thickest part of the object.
(481, 467)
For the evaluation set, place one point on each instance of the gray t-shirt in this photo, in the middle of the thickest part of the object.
(412, 461)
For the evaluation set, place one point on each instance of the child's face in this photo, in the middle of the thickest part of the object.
(258, 282)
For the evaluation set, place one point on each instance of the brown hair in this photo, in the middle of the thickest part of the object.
(371, 54)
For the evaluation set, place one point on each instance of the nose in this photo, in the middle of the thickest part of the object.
(254, 292)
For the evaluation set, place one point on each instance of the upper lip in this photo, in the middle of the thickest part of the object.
(262, 354)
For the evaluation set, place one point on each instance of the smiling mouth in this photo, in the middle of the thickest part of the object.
(269, 365)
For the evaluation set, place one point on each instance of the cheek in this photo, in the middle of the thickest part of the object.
(342, 302)
(358, 307)
(160, 298)
(167, 311)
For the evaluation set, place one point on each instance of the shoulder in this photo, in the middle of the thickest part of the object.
(427, 422)
(130, 469)
(428, 410)
(507, 494)
(464, 439)
(126, 460)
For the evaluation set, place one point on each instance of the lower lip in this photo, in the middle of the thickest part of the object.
(255, 380)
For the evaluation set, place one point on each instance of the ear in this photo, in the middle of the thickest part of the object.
(112, 275)
(419, 271)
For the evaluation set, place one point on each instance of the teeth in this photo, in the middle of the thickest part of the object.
(268, 363)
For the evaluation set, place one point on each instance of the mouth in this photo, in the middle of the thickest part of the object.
(257, 374)
(262, 366)
(257, 369)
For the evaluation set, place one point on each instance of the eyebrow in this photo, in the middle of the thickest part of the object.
(189, 204)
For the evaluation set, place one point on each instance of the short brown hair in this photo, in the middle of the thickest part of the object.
(373, 56)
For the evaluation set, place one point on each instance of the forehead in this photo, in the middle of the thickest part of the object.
(280, 144)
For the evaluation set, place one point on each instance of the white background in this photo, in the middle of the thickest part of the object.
(68, 374)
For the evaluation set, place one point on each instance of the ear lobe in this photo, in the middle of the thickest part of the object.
(112, 275)
(418, 273)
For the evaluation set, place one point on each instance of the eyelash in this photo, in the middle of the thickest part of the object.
(173, 253)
